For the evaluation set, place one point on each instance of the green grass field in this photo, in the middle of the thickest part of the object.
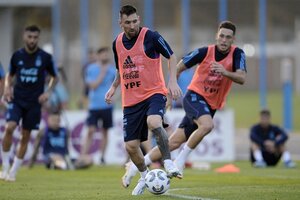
(104, 183)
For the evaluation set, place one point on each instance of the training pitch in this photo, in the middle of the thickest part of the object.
(104, 183)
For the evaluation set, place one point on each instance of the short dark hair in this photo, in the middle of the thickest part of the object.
(33, 28)
(127, 10)
(228, 25)
(265, 112)
(102, 49)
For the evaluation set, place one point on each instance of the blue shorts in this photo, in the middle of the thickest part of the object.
(105, 115)
(194, 106)
(270, 158)
(135, 117)
(29, 113)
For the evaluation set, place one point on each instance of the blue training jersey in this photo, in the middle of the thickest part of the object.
(30, 71)
(97, 96)
(55, 141)
(154, 45)
(197, 56)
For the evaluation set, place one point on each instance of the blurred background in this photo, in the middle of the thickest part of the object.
(268, 31)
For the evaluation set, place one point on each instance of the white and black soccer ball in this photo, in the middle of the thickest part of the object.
(157, 181)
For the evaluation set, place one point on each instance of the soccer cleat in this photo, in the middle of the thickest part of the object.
(131, 171)
(260, 164)
(3, 175)
(10, 178)
(289, 164)
(173, 171)
(140, 187)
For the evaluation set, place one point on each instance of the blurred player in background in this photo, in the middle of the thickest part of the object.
(268, 143)
(28, 66)
(83, 101)
(54, 141)
(99, 77)
(137, 55)
(218, 66)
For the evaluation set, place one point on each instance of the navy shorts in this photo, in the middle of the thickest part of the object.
(194, 106)
(270, 158)
(105, 115)
(29, 113)
(135, 117)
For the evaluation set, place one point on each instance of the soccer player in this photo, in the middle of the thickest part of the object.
(218, 66)
(137, 55)
(99, 77)
(268, 143)
(28, 66)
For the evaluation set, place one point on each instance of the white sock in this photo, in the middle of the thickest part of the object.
(174, 154)
(183, 155)
(167, 163)
(144, 173)
(16, 165)
(258, 155)
(286, 156)
(147, 159)
(5, 161)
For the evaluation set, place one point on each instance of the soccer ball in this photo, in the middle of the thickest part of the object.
(157, 181)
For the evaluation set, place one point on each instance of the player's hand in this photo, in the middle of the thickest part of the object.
(169, 103)
(44, 97)
(109, 94)
(174, 90)
(8, 94)
(218, 68)
(270, 146)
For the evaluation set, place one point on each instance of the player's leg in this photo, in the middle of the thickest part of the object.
(107, 119)
(286, 156)
(155, 114)
(175, 141)
(135, 132)
(256, 154)
(6, 145)
(14, 113)
(18, 160)
(199, 114)
(91, 122)
(30, 121)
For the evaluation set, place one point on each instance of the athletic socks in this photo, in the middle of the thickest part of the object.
(144, 173)
(258, 155)
(15, 167)
(5, 161)
(147, 159)
(286, 156)
(184, 153)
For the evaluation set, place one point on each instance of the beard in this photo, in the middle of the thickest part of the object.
(31, 47)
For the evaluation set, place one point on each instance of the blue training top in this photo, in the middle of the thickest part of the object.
(198, 55)
(55, 141)
(97, 96)
(154, 45)
(274, 133)
(30, 71)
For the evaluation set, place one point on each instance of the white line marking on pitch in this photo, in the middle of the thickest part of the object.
(180, 196)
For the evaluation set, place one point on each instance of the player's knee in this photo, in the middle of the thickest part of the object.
(174, 145)
(10, 127)
(207, 127)
(154, 122)
(131, 148)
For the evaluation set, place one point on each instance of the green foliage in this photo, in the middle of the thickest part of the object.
(104, 183)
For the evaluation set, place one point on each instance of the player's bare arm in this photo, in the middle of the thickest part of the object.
(45, 96)
(238, 76)
(110, 93)
(93, 85)
(180, 68)
(173, 87)
(8, 94)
